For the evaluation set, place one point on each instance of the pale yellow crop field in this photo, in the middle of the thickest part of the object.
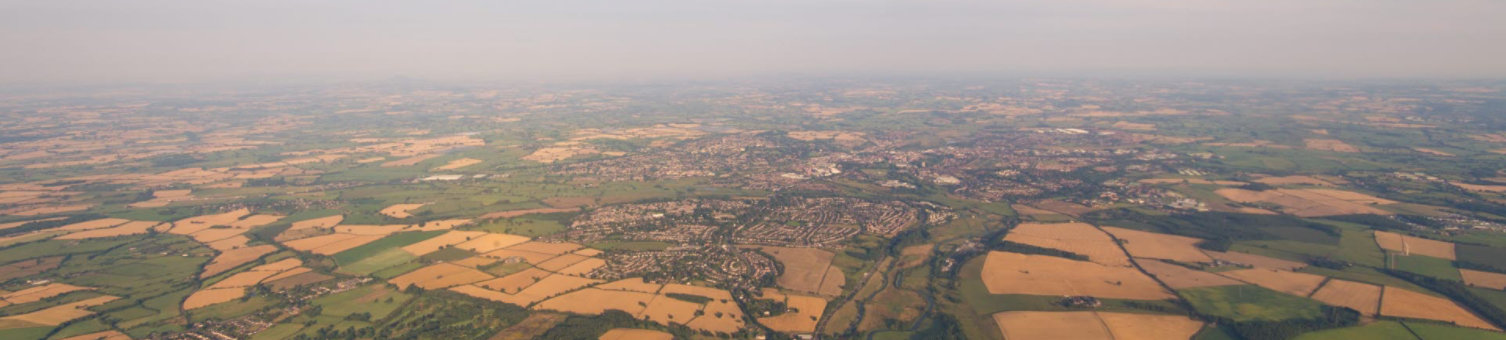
(1159, 246)
(1012, 273)
(1080, 238)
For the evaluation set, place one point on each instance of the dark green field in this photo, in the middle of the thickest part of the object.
(1248, 302)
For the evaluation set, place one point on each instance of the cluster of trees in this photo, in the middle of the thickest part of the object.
(757, 307)
(1333, 317)
(1330, 263)
(1016, 247)
(688, 298)
(1373, 221)
(942, 327)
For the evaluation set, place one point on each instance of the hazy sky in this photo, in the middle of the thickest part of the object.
(68, 41)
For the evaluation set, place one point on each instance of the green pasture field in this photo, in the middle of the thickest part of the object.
(394, 241)
(1382, 330)
(389, 258)
(1249, 302)
(1426, 265)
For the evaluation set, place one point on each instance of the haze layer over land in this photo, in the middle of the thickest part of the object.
(52, 42)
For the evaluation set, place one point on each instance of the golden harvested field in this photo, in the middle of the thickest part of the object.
(459, 163)
(442, 224)
(552, 248)
(1311, 202)
(1024, 325)
(915, 255)
(129, 228)
(713, 293)
(93, 224)
(730, 320)
(1483, 279)
(287, 273)
(1294, 283)
(410, 161)
(805, 269)
(672, 131)
(442, 275)
(451, 238)
(60, 314)
(1159, 246)
(1329, 145)
(1480, 187)
(223, 244)
(1134, 126)
(1178, 277)
(215, 234)
(243, 279)
(1433, 152)
(372, 229)
(1410, 245)
(664, 309)
(105, 335)
(1030, 211)
(490, 242)
(803, 318)
(316, 242)
(234, 258)
(832, 284)
(635, 334)
(1409, 304)
(401, 210)
(633, 284)
(303, 278)
(516, 213)
(474, 261)
(322, 222)
(515, 282)
(1132, 326)
(1081, 238)
(255, 221)
(195, 224)
(1051, 325)
(284, 264)
(1294, 180)
(1256, 261)
(553, 285)
(1362, 297)
(1012, 273)
(595, 301)
(561, 151)
(171, 193)
(561, 262)
(587, 252)
(486, 294)
(211, 296)
(38, 293)
(586, 266)
(346, 244)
